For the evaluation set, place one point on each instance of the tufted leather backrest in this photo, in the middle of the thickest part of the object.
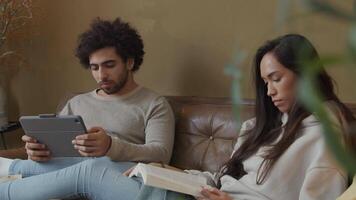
(205, 131)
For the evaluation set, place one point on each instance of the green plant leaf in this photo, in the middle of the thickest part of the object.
(352, 41)
(312, 99)
(283, 12)
(329, 9)
(233, 70)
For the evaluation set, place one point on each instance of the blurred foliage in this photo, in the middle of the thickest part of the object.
(14, 15)
(308, 93)
(235, 73)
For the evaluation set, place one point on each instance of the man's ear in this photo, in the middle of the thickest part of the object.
(130, 63)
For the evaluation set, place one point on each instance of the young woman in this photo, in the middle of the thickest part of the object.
(280, 154)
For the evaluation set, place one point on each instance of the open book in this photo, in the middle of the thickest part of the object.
(169, 179)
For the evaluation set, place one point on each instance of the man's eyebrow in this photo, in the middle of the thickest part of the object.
(105, 62)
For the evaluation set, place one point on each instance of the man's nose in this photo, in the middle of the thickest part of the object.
(102, 73)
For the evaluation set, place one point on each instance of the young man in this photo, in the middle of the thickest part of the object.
(125, 121)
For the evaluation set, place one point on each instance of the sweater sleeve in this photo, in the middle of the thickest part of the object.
(159, 136)
(325, 181)
(350, 193)
(66, 110)
(323, 184)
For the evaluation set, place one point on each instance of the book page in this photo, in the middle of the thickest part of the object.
(170, 179)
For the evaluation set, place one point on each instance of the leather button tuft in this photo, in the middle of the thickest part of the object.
(211, 138)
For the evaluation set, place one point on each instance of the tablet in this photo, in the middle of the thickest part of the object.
(55, 131)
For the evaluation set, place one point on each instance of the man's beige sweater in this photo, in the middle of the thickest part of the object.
(141, 123)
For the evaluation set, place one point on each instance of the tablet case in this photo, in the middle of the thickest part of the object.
(57, 132)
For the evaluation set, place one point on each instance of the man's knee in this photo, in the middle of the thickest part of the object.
(104, 163)
(97, 162)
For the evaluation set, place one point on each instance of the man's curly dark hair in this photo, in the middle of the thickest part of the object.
(118, 34)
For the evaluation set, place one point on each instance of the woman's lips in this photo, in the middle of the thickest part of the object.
(278, 103)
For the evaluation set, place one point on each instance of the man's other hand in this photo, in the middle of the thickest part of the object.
(36, 151)
(95, 143)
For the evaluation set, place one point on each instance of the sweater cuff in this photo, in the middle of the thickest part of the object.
(115, 149)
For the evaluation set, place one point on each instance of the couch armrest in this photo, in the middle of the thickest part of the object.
(19, 153)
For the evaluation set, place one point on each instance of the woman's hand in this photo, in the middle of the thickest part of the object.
(128, 172)
(213, 194)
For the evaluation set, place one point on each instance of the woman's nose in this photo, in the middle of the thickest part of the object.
(271, 91)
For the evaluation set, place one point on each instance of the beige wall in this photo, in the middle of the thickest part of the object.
(188, 43)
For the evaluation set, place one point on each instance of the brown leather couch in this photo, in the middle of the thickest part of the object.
(205, 131)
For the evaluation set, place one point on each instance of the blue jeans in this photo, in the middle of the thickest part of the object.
(30, 168)
(97, 178)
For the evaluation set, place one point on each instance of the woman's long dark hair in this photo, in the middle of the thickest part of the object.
(287, 50)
